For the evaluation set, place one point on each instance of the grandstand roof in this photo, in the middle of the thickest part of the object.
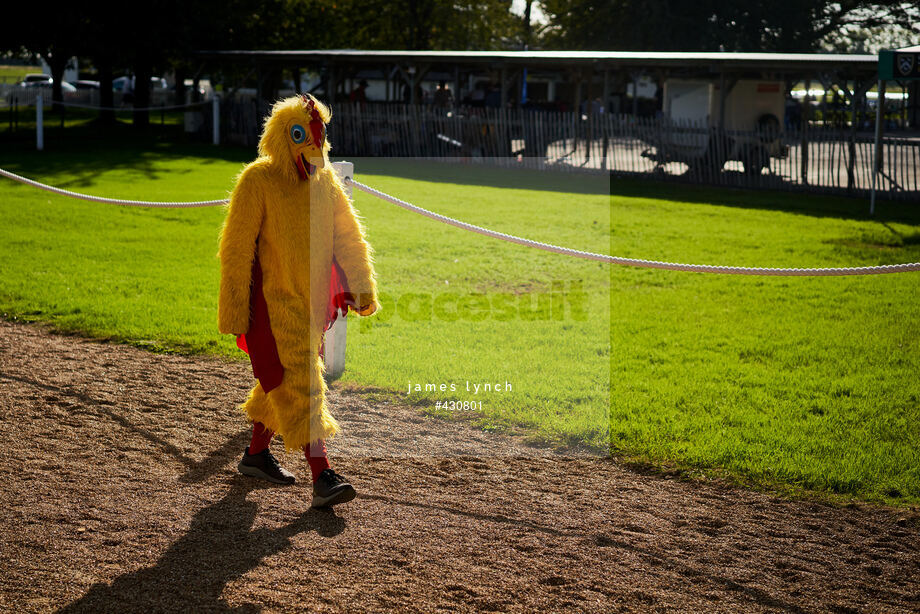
(598, 59)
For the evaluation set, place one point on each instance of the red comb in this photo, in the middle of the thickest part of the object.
(317, 127)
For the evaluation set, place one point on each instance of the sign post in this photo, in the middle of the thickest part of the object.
(893, 65)
(39, 122)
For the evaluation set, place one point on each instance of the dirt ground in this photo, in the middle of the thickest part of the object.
(120, 493)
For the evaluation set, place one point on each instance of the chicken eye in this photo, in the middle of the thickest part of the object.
(298, 134)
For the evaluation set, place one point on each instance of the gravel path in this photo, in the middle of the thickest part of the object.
(120, 493)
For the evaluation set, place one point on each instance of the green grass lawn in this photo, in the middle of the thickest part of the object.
(812, 382)
(796, 382)
(18, 125)
(13, 73)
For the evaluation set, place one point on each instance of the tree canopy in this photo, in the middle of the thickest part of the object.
(166, 33)
(788, 26)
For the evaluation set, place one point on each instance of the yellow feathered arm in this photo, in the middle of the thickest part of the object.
(237, 250)
(353, 254)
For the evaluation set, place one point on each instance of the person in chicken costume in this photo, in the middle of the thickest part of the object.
(292, 253)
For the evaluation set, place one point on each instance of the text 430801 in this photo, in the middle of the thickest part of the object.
(459, 405)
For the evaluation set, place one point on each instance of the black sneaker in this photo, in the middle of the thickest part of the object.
(331, 488)
(265, 466)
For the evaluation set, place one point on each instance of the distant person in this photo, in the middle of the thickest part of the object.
(359, 94)
(407, 94)
(596, 107)
(793, 114)
(493, 97)
(443, 97)
(478, 97)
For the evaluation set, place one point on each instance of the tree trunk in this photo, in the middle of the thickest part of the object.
(528, 28)
(179, 88)
(142, 73)
(57, 61)
(106, 97)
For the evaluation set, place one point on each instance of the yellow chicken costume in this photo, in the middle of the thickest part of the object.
(289, 228)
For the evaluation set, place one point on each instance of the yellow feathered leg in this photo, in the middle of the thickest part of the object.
(258, 409)
(297, 407)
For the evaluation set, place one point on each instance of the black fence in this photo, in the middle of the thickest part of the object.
(829, 160)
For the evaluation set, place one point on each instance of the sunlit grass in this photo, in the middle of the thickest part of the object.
(808, 382)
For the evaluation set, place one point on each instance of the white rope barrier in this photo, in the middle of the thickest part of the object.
(111, 201)
(649, 264)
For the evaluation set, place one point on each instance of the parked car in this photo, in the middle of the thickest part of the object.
(28, 91)
(123, 84)
(84, 84)
(37, 77)
(65, 87)
(754, 115)
(126, 84)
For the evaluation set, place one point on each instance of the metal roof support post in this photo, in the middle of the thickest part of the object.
(576, 103)
(913, 97)
(392, 92)
(259, 78)
(859, 90)
(456, 86)
(576, 115)
(634, 75)
(405, 82)
(420, 72)
(606, 91)
(586, 126)
(827, 84)
(520, 87)
(605, 105)
(851, 146)
(806, 116)
(877, 158)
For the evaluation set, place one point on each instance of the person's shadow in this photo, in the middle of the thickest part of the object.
(219, 547)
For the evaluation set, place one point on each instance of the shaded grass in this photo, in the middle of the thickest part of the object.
(11, 73)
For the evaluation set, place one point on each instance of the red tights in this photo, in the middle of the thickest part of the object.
(315, 453)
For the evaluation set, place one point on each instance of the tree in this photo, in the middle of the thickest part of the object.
(432, 24)
(53, 37)
(711, 25)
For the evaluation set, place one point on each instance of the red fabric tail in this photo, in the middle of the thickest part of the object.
(259, 342)
(339, 295)
(339, 299)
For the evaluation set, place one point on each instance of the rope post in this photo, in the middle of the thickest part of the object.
(39, 123)
(346, 172)
(336, 336)
(215, 116)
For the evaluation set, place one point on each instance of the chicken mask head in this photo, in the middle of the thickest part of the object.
(294, 136)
